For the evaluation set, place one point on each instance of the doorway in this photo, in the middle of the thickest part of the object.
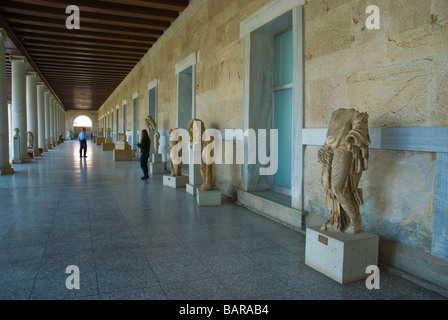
(81, 122)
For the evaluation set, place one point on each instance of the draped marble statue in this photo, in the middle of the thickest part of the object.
(108, 134)
(206, 168)
(30, 139)
(175, 138)
(344, 156)
(152, 127)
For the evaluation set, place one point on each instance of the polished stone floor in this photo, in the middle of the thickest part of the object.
(134, 239)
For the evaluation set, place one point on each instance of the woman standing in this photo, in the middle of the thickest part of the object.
(144, 145)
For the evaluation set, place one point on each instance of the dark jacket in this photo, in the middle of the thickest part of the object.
(144, 145)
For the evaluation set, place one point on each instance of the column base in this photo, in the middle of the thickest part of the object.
(22, 160)
(6, 170)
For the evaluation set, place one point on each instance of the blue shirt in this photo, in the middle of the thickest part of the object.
(82, 136)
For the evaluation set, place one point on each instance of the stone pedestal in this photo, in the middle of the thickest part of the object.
(107, 146)
(156, 166)
(341, 256)
(122, 155)
(17, 149)
(100, 140)
(194, 172)
(122, 146)
(175, 182)
(211, 198)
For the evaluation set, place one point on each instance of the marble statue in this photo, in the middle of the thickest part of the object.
(207, 165)
(122, 137)
(194, 136)
(175, 138)
(207, 169)
(344, 156)
(152, 125)
(30, 139)
(108, 134)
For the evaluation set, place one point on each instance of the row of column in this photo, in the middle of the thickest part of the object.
(34, 109)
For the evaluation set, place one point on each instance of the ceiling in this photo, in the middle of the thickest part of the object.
(84, 66)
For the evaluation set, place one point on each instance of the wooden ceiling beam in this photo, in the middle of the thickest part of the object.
(22, 28)
(97, 7)
(82, 42)
(86, 26)
(112, 19)
(175, 5)
(63, 51)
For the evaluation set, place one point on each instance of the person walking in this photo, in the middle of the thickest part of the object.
(83, 143)
(144, 146)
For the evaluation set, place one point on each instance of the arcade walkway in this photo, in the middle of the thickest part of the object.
(139, 240)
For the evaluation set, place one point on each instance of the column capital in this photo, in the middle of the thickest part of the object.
(3, 35)
(31, 73)
(17, 58)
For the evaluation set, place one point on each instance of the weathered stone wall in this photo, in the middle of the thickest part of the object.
(397, 74)
(211, 30)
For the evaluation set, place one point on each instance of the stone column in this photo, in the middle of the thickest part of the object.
(19, 108)
(40, 117)
(5, 166)
(47, 120)
(51, 111)
(31, 109)
(56, 123)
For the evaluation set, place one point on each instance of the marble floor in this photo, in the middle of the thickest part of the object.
(133, 239)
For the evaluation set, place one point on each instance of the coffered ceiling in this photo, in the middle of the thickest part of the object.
(83, 66)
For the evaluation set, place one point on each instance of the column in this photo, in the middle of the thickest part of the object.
(19, 110)
(50, 119)
(56, 119)
(31, 109)
(40, 117)
(47, 120)
(5, 166)
(55, 123)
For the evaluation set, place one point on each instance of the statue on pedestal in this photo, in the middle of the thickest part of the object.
(344, 156)
(108, 134)
(175, 138)
(30, 139)
(152, 126)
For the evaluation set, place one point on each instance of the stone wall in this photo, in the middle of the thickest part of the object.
(211, 30)
(397, 74)
(71, 115)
